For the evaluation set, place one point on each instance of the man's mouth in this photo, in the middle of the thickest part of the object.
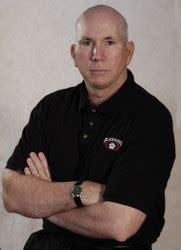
(98, 71)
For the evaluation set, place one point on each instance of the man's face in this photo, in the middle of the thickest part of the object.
(101, 54)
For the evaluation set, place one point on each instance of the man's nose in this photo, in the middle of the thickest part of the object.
(97, 53)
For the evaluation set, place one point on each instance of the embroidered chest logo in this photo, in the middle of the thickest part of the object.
(112, 144)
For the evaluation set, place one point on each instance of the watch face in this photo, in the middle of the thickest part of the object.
(76, 191)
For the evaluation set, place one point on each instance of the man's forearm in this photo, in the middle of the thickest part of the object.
(106, 220)
(34, 197)
(92, 221)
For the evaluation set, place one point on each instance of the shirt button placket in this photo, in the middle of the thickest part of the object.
(91, 123)
(85, 136)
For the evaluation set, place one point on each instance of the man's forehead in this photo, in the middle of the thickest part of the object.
(97, 25)
(98, 31)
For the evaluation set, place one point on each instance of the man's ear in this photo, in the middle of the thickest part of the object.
(130, 51)
(72, 51)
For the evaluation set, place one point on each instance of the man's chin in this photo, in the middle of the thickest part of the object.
(98, 83)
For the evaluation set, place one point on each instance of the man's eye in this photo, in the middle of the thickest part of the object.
(110, 42)
(85, 43)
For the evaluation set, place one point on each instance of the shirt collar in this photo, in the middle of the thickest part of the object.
(111, 105)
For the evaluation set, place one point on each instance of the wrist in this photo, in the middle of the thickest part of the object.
(77, 193)
(92, 193)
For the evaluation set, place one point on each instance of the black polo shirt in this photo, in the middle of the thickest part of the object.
(126, 143)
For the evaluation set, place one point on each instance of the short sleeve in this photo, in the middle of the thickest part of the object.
(33, 139)
(139, 176)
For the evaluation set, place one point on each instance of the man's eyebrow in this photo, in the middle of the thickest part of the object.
(89, 38)
(108, 38)
(85, 38)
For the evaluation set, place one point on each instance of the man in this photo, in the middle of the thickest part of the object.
(94, 159)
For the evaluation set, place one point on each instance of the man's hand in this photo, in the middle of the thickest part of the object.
(38, 166)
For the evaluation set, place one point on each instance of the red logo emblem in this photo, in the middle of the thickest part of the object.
(112, 144)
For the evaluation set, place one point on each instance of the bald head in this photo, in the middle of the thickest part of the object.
(106, 13)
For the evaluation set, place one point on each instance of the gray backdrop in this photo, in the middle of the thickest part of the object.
(35, 37)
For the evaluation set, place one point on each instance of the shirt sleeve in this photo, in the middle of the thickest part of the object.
(139, 176)
(32, 140)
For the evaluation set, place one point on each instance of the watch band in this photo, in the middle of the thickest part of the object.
(77, 196)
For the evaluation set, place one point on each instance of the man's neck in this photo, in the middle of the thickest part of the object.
(97, 98)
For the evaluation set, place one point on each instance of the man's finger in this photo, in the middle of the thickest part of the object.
(27, 171)
(38, 165)
(32, 167)
(45, 163)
